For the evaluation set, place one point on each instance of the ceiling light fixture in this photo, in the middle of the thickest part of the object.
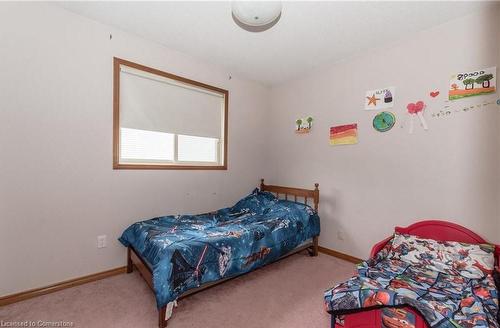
(256, 16)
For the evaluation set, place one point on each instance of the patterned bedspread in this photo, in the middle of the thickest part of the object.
(186, 251)
(407, 274)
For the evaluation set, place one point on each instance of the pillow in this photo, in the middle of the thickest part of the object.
(257, 202)
(468, 260)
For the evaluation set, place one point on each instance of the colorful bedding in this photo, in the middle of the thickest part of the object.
(186, 251)
(449, 284)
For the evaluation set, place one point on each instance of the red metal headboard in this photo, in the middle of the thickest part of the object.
(441, 231)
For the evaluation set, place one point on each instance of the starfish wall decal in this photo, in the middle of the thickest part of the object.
(372, 100)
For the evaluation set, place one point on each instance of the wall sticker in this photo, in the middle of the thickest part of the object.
(380, 99)
(473, 83)
(344, 134)
(434, 94)
(303, 125)
(384, 121)
(417, 109)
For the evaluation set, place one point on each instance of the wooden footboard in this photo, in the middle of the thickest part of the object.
(135, 260)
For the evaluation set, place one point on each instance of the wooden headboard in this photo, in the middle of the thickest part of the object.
(306, 194)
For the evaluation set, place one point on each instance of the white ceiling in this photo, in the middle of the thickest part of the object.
(308, 35)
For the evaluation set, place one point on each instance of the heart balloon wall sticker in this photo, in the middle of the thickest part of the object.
(417, 109)
(434, 94)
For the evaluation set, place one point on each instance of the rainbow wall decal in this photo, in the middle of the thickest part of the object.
(344, 134)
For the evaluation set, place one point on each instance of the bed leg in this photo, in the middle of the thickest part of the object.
(130, 265)
(315, 246)
(333, 321)
(162, 323)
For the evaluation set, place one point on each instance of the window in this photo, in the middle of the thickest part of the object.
(163, 121)
(140, 145)
(197, 149)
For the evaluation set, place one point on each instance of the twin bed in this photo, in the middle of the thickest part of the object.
(184, 254)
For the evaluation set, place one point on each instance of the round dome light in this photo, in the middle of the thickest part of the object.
(256, 16)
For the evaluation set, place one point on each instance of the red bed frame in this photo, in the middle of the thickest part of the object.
(431, 229)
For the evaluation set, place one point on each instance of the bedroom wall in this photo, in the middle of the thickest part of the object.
(58, 190)
(498, 135)
(393, 178)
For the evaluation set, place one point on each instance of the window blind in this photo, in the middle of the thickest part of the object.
(154, 103)
(140, 145)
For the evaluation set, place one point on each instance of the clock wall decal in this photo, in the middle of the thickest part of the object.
(384, 121)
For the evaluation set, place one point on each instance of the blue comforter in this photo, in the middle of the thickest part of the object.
(186, 251)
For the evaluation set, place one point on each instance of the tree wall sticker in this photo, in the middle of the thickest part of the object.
(472, 83)
(303, 125)
(469, 84)
(309, 122)
(298, 123)
(485, 80)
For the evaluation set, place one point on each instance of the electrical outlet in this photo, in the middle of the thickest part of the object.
(340, 235)
(101, 241)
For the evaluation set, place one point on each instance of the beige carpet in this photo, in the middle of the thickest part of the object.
(288, 293)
